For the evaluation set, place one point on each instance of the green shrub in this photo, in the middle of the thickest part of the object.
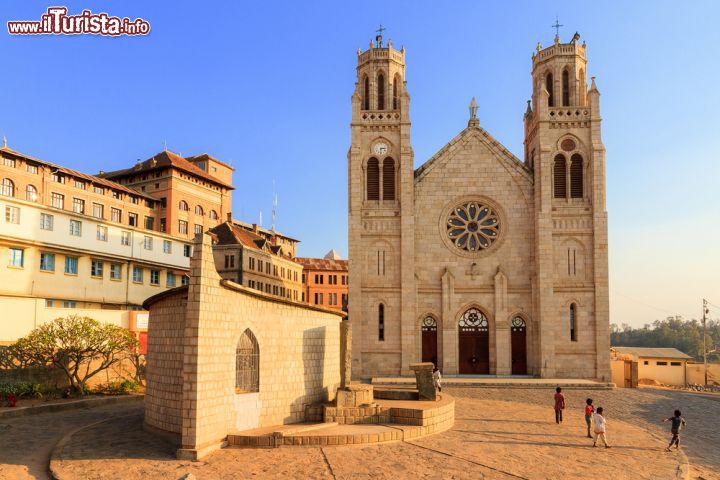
(21, 390)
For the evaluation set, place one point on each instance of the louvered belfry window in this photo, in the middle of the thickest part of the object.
(565, 88)
(388, 179)
(381, 92)
(373, 179)
(560, 177)
(576, 176)
(549, 87)
(366, 94)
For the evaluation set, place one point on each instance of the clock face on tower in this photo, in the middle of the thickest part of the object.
(380, 148)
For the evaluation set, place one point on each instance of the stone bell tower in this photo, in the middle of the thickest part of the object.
(380, 216)
(564, 149)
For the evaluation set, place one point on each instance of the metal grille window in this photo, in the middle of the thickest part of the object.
(247, 364)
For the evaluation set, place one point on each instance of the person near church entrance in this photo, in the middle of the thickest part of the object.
(678, 422)
(600, 427)
(559, 404)
(589, 411)
(437, 379)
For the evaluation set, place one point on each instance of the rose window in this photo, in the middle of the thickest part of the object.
(473, 226)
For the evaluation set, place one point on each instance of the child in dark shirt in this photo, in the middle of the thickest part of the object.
(678, 422)
(559, 404)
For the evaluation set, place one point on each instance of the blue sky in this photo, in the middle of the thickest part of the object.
(267, 85)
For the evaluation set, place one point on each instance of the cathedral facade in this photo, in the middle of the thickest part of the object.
(478, 261)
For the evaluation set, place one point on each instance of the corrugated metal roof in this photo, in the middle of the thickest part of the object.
(650, 352)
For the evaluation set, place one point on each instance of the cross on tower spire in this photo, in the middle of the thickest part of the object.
(557, 27)
(378, 37)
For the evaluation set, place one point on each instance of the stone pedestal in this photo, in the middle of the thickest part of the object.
(424, 380)
(354, 395)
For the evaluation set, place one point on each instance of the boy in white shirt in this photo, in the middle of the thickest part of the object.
(600, 427)
(437, 378)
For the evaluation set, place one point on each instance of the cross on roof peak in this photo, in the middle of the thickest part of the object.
(557, 26)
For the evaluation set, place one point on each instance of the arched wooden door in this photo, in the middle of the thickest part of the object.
(473, 343)
(429, 340)
(518, 344)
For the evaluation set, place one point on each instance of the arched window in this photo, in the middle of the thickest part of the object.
(576, 176)
(388, 179)
(31, 193)
(366, 94)
(373, 179)
(199, 210)
(381, 322)
(573, 322)
(583, 88)
(565, 88)
(247, 364)
(560, 177)
(183, 206)
(7, 188)
(396, 102)
(213, 215)
(549, 87)
(381, 92)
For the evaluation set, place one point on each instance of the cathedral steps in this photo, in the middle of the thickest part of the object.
(485, 381)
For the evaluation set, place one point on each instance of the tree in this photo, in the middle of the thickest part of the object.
(80, 346)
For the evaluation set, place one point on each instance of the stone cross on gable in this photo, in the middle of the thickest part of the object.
(473, 271)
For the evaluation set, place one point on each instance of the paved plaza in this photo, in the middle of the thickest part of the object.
(498, 434)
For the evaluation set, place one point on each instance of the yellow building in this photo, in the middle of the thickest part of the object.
(667, 366)
(77, 243)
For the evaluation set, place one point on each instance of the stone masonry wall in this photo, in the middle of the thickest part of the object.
(299, 349)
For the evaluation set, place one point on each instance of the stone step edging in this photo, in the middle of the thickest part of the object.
(80, 403)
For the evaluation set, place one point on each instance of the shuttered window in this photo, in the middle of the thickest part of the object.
(576, 176)
(373, 179)
(388, 179)
(560, 177)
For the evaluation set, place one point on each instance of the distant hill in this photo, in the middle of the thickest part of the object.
(685, 335)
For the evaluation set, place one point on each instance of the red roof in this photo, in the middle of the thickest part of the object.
(74, 173)
(322, 264)
(166, 159)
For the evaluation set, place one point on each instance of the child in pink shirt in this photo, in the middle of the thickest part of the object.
(559, 404)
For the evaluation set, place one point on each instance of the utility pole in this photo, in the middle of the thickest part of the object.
(705, 312)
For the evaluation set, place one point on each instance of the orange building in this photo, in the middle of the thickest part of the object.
(193, 193)
(325, 280)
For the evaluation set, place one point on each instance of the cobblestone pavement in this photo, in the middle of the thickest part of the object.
(499, 434)
(26, 442)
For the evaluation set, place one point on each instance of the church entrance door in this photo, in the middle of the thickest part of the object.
(518, 343)
(473, 343)
(429, 340)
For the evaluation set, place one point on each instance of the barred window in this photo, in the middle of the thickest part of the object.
(565, 88)
(381, 92)
(549, 86)
(247, 364)
(573, 320)
(366, 94)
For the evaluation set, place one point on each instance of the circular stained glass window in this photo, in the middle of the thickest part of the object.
(473, 226)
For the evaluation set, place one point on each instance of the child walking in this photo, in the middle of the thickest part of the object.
(589, 411)
(559, 404)
(600, 427)
(437, 379)
(678, 422)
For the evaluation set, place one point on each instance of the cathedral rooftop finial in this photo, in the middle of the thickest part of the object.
(378, 37)
(557, 29)
(4, 141)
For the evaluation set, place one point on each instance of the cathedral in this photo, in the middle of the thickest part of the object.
(479, 261)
